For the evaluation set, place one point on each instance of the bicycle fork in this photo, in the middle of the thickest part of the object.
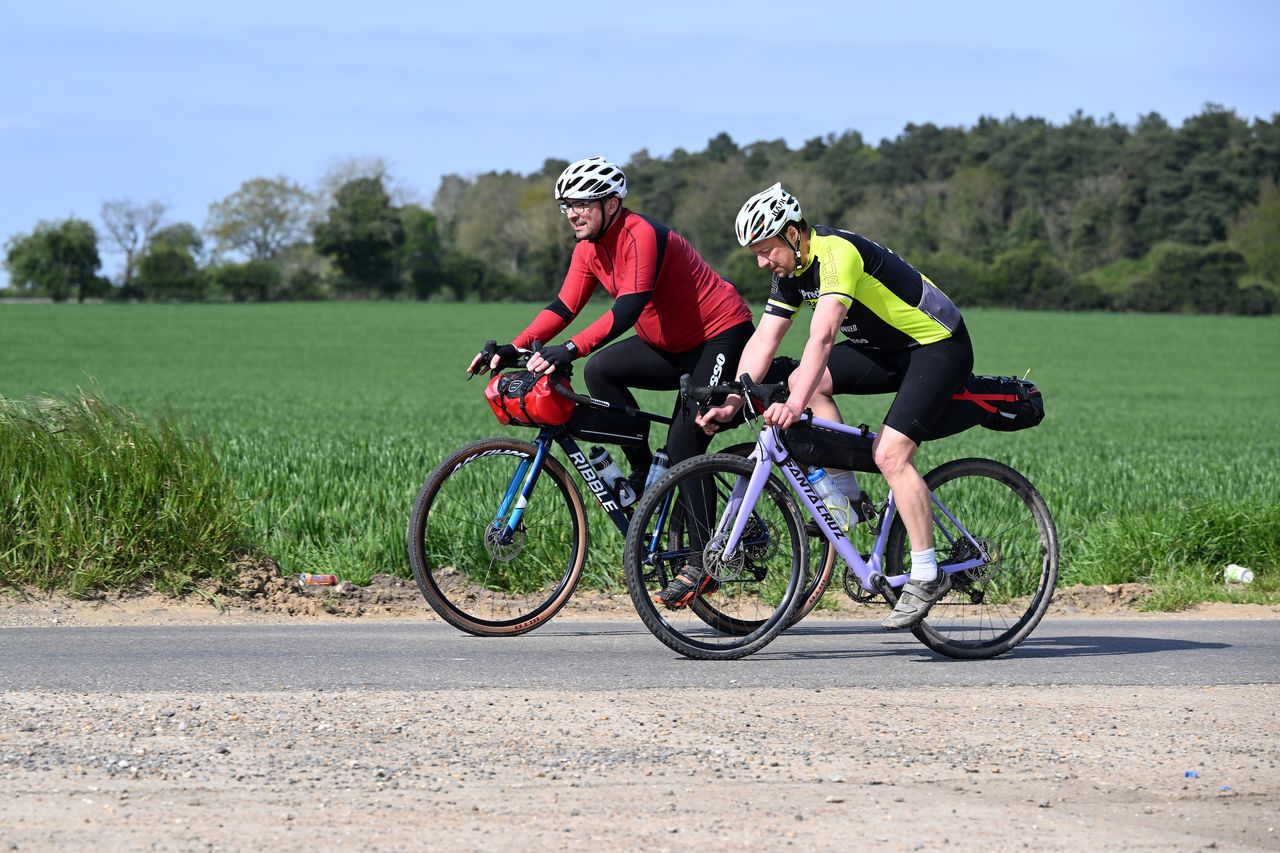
(511, 510)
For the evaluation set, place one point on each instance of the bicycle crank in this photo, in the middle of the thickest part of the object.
(853, 588)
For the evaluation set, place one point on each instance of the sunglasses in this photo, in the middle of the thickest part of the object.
(577, 205)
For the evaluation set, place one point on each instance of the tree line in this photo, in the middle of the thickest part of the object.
(1016, 212)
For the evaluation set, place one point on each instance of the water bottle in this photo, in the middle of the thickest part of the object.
(859, 503)
(831, 495)
(656, 468)
(612, 475)
(1238, 574)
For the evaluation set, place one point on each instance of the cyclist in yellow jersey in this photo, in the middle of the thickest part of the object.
(902, 334)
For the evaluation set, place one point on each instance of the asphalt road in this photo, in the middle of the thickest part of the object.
(619, 655)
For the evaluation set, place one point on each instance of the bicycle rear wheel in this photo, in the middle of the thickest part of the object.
(995, 606)
(759, 584)
(473, 579)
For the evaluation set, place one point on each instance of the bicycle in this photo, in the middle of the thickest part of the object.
(993, 533)
(493, 560)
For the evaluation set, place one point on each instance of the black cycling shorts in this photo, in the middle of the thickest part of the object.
(924, 378)
(612, 372)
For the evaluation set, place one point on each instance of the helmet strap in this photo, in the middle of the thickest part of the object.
(606, 223)
(793, 247)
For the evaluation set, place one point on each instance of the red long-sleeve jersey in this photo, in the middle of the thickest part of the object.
(641, 259)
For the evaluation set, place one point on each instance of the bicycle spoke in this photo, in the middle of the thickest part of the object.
(755, 586)
(993, 605)
(483, 578)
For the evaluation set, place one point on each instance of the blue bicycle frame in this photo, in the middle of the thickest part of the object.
(526, 477)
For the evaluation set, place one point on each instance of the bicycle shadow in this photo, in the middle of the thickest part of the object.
(899, 644)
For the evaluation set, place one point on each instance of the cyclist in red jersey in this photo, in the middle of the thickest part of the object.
(687, 318)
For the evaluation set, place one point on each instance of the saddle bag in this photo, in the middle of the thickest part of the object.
(1002, 403)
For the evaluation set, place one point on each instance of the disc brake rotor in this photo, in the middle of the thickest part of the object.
(503, 551)
(720, 567)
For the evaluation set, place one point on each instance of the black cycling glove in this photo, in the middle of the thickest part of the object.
(507, 355)
(561, 355)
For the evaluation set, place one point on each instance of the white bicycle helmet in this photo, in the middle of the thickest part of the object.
(765, 215)
(590, 179)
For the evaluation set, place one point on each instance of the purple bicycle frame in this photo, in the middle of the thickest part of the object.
(770, 452)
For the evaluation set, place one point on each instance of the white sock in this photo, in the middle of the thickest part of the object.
(924, 566)
(847, 483)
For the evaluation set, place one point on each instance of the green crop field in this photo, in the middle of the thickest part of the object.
(1160, 454)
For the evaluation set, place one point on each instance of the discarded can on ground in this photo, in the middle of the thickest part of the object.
(1237, 574)
(309, 579)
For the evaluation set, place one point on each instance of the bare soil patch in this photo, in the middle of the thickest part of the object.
(262, 593)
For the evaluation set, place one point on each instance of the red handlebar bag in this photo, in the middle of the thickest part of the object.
(527, 399)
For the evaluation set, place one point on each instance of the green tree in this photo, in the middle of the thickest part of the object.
(654, 185)
(363, 236)
(742, 269)
(974, 213)
(721, 148)
(485, 224)
(1195, 278)
(708, 204)
(923, 152)
(965, 280)
(1029, 276)
(420, 256)
(260, 218)
(58, 260)
(255, 281)
(304, 274)
(472, 281)
(170, 269)
(1018, 210)
(1255, 233)
(510, 224)
(849, 164)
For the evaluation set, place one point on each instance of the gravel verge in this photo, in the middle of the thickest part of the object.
(981, 769)
(1044, 768)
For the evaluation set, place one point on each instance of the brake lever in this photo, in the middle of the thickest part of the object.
(686, 391)
(486, 356)
(750, 393)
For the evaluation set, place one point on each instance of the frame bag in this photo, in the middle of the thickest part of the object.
(608, 426)
(523, 398)
(810, 445)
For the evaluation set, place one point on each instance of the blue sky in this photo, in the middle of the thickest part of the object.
(151, 101)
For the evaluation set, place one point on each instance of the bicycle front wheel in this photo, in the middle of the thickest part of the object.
(477, 575)
(992, 607)
(822, 561)
(679, 522)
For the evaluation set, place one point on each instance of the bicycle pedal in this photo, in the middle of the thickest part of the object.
(882, 585)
